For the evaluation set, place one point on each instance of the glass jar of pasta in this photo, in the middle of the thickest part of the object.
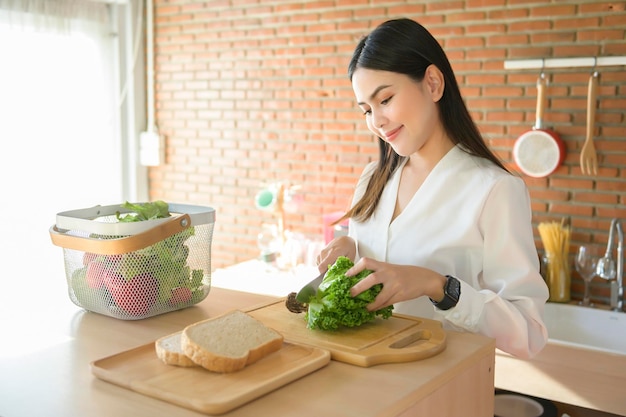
(556, 241)
(556, 272)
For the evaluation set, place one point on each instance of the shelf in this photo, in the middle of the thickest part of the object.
(581, 62)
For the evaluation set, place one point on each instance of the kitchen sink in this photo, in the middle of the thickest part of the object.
(585, 327)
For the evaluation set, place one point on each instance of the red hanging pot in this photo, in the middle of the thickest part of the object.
(539, 152)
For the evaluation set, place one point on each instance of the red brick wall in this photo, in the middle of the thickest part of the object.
(251, 91)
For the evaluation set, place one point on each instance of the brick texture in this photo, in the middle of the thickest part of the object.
(251, 92)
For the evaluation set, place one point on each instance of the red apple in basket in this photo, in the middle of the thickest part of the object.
(96, 273)
(180, 295)
(135, 296)
(89, 257)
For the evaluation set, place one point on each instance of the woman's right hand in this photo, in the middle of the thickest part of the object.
(340, 246)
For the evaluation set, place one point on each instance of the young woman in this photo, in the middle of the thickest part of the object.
(438, 218)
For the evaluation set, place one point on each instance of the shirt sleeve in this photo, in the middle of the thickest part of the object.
(508, 305)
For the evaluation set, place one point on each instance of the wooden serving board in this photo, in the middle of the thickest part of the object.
(140, 370)
(397, 339)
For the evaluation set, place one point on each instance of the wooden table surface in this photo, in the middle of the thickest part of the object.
(47, 348)
(580, 377)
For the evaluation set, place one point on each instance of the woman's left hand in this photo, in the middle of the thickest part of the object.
(339, 246)
(400, 282)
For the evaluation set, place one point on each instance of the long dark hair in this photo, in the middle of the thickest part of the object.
(404, 46)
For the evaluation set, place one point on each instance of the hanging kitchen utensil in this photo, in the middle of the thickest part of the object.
(539, 152)
(588, 156)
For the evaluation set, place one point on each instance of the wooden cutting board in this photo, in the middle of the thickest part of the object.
(208, 392)
(398, 339)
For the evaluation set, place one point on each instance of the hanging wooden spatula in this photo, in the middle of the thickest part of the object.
(588, 157)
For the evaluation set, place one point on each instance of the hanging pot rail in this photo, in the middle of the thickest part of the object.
(606, 61)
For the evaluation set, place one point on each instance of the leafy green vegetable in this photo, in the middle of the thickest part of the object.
(147, 211)
(333, 306)
(166, 260)
(88, 297)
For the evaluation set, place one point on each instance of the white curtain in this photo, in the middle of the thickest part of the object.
(59, 93)
(61, 16)
(64, 74)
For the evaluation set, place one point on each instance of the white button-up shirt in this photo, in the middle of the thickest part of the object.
(472, 220)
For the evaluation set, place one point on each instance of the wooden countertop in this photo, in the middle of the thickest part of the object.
(47, 349)
(580, 377)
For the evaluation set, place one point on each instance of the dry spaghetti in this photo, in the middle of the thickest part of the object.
(556, 241)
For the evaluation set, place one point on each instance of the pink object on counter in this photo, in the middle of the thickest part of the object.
(331, 231)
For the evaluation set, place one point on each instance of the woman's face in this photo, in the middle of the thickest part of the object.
(398, 109)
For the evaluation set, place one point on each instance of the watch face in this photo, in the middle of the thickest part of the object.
(453, 288)
(451, 294)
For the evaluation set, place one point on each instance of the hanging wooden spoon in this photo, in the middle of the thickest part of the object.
(588, 157)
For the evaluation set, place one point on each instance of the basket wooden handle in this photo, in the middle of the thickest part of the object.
(124, 244)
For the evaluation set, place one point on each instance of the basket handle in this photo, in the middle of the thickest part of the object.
(124, 244)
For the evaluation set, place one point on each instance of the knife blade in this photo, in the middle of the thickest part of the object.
(309, 290)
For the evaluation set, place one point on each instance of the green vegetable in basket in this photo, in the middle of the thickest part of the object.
(81, 290)
(147, 211)
(165, 260)
(333, 306)
(87, 296)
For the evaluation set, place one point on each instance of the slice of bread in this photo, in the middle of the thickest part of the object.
(229, 342)
(169, 350)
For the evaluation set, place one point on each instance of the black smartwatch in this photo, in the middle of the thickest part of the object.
(451, 294)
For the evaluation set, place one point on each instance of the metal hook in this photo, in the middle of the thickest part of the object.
(542, 75)
(595, 64)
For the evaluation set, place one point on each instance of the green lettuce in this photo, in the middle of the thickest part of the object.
(147, 211)
(332, 306)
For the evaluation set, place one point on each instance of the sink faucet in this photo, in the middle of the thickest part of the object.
(606, 266)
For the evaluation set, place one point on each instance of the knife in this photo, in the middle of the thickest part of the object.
(309, 290)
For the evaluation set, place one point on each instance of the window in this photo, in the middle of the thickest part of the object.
(67, 111)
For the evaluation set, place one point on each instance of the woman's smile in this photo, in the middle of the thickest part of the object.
(391, 135)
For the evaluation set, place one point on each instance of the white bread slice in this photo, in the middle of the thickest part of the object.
(169, 350)
(229, 342)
